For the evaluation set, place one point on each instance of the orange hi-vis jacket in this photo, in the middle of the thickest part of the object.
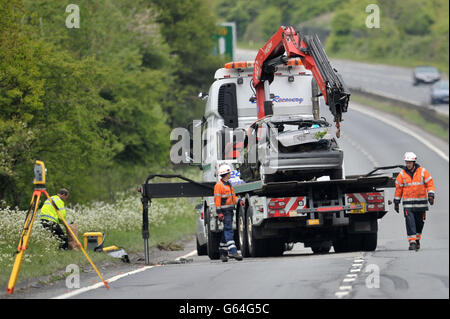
(414, 189)
(224, 196)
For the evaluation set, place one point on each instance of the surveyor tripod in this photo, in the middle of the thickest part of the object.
(26, 230)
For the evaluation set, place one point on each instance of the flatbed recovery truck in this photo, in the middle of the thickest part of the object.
(340, 213)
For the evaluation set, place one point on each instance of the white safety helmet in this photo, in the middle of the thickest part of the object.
(224, 169)
(410, 157)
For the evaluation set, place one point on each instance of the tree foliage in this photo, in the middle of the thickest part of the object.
(96, 103)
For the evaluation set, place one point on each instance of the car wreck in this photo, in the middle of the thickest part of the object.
(294, 147)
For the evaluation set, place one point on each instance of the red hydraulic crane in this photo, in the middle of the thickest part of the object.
(310, 51)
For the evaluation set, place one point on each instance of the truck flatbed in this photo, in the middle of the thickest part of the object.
(190, 188)
(352, 184)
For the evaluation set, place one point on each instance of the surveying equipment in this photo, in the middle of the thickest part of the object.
(39, 189)
(92, 240)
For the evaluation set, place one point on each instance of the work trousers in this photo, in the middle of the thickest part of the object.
(415, 221)
(227, 244)
(56, 231)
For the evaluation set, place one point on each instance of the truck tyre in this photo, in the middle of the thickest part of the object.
(256, 247)
(369, 241)
(202, 250)
(242, 229)
(321, 248)
(213, 241)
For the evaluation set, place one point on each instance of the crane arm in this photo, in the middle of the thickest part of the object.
(310, 51)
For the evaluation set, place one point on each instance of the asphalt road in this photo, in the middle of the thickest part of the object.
(390, 272)
(390, 81)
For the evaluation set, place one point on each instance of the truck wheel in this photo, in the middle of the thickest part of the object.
(321, 248)
(242, 233)
(369, 241)
(256, 247)
(236, 239)
(213, 241)
(202, 250)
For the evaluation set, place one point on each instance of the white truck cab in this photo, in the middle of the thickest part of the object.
(231, 104)
(231, 107)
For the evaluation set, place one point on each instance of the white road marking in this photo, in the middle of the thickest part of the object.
(348, 279)
(362, 150)
(345, 288)
(341, 294)
(100, 284)
(404, 130)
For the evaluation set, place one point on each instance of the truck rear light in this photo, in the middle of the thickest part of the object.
(370, 206)
(301, 203)
(277, 204)
(381, 206)
(370, 198)
(202, 215)
(277, 213)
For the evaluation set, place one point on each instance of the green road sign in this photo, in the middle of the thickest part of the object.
(225, 40)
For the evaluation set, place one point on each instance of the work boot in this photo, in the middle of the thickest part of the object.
(412, 245)
(224, 258)
(417, 244)
(236, 256)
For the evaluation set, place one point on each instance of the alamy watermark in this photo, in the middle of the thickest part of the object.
(73, 280)
(73, 19)
(373, 279)
(373, 19)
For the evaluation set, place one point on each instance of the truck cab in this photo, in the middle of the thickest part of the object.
(231, 108)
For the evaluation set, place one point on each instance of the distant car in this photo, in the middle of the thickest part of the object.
(425, 74)
(439, 92)
(200, 231)
(294, 147)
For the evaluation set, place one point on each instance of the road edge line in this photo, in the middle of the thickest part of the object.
(403, 129)
(115, 278)
(100, 284)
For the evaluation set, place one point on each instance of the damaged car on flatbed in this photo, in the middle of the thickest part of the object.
(291, 147)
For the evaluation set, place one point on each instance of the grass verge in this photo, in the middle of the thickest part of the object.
(406, 114)
(170, 221)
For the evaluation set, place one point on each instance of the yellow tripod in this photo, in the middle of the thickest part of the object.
(39, 181)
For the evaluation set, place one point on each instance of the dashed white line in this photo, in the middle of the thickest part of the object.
(345, 289)
(348, 279)
(341, 294)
